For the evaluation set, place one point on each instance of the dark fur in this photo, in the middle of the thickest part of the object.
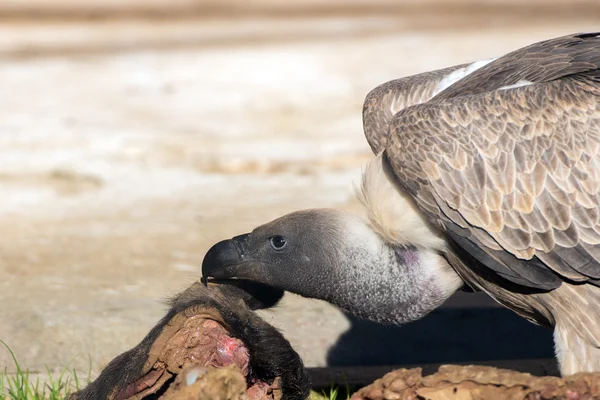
(271, 355)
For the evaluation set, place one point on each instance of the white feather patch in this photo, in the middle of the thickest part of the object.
(459, 74)
(522, 82)
(391, 214)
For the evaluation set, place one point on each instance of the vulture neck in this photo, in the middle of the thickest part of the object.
(394, 272)
(388, 283)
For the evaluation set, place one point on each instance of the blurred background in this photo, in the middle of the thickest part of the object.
(134, 134)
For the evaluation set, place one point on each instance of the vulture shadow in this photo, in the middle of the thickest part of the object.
(470, 327)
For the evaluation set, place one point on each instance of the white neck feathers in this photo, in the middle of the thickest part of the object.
(391, 214)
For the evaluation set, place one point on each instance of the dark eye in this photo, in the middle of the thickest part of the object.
(278, 243)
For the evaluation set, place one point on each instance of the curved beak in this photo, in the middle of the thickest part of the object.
(228, 260)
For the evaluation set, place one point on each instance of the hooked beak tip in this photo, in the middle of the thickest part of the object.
(220, 258)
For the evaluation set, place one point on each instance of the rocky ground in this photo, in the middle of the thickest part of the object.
(129, 145)
(473, 383)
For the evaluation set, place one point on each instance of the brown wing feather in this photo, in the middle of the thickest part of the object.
(383, 102)
(519, 168)
(540, 62)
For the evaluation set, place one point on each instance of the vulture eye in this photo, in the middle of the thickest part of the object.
(278, 243)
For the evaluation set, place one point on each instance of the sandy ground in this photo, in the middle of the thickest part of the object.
(122, 161)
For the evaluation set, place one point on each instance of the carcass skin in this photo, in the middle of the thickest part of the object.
(207, 328)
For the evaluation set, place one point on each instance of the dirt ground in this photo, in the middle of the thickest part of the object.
(129, 146)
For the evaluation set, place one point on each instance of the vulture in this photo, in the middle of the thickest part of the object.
(484, 176)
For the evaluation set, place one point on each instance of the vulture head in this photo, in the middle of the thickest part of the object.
(384, 267)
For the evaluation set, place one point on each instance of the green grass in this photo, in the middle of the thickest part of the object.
(20, 385)
(331, 394)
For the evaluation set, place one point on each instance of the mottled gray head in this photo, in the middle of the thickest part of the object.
(337, 257)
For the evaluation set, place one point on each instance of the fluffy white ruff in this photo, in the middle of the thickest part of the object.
(391, 214)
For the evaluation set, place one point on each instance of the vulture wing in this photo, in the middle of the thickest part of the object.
(383, 102)
(507, 162)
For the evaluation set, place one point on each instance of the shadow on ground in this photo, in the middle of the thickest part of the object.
(447, 335)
